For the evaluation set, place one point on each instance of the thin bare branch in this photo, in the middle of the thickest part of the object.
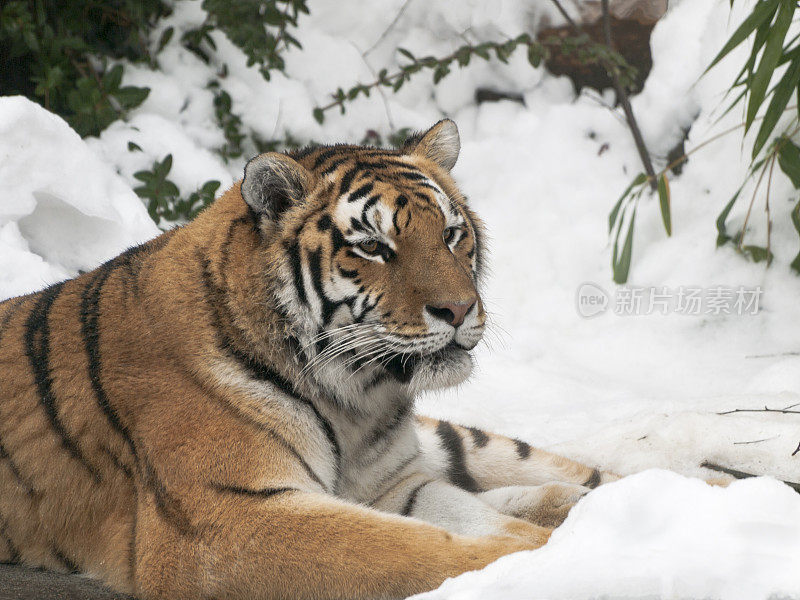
(785, 411)
(386, 31)
(741, 474)
(622, 95)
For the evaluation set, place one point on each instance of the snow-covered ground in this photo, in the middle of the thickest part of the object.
(627, 392)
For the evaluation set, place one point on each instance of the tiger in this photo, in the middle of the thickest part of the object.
(227, 410)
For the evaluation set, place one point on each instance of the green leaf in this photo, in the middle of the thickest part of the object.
(319, 115)
(130, 96)
(795, 265)
(789, 161)
(769, 60)
(612, 217)
(166, 36)
(780, 98)
(762, 13)
(722, 234)
(112, 78)
(406, 53)
(134, 147)
(623, 266)
(534, 55)
(463, 55)
(664, 202)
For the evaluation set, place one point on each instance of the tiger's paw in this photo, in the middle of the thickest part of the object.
(545, 505)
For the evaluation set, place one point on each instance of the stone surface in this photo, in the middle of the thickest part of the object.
(22, 583)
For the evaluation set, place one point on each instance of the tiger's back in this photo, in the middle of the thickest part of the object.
(67, 461)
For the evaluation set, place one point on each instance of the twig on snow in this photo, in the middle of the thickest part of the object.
(755, 441)
(741, 474)
(786, 411)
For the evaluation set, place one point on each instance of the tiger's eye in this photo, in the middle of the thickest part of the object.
(449, 234)
(369, 246)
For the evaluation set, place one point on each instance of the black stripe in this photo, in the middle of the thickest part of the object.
(412, 498)
(168, 506)
(259, 370)
(4, 455)
(479, 437)
(90, 330)
(384, 429)
(457, 471)
(37, 348)
(130, 260)
(126, 470)
(68, 563)
(322, 157)
(224, 249)
(367, 205)
(347, 179)
(593, 481)
(394, 473)
(333, 166)
(302, 152)
(357, 226)
(361, 192)
(132, 542)
(260, 493)
(414, 175)
(324, 223)
(297, 272)
(315, 270)
(15, 557)
(477, 233)
(523, 449)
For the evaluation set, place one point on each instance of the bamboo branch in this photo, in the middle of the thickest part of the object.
(622, 96)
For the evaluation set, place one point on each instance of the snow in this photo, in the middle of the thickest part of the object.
(62, 208)
(624, 541)
(627, 393)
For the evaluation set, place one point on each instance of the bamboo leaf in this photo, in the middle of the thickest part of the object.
(622, 267)
(763, 12)
(612, 217)
(769, 60)
(795, 265)
(664, 201)
(789, 161)
(722, 233)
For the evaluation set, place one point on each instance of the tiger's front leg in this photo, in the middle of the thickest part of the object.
(423, 496)
(506, 474)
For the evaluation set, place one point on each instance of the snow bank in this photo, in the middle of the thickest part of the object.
(62, 209)
(656, 535)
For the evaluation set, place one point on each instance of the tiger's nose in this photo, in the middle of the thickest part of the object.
(452, 313)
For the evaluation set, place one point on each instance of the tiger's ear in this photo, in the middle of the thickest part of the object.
(274, 182)
(440, 144)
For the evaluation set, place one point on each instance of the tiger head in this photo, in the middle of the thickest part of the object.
(376, 258)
